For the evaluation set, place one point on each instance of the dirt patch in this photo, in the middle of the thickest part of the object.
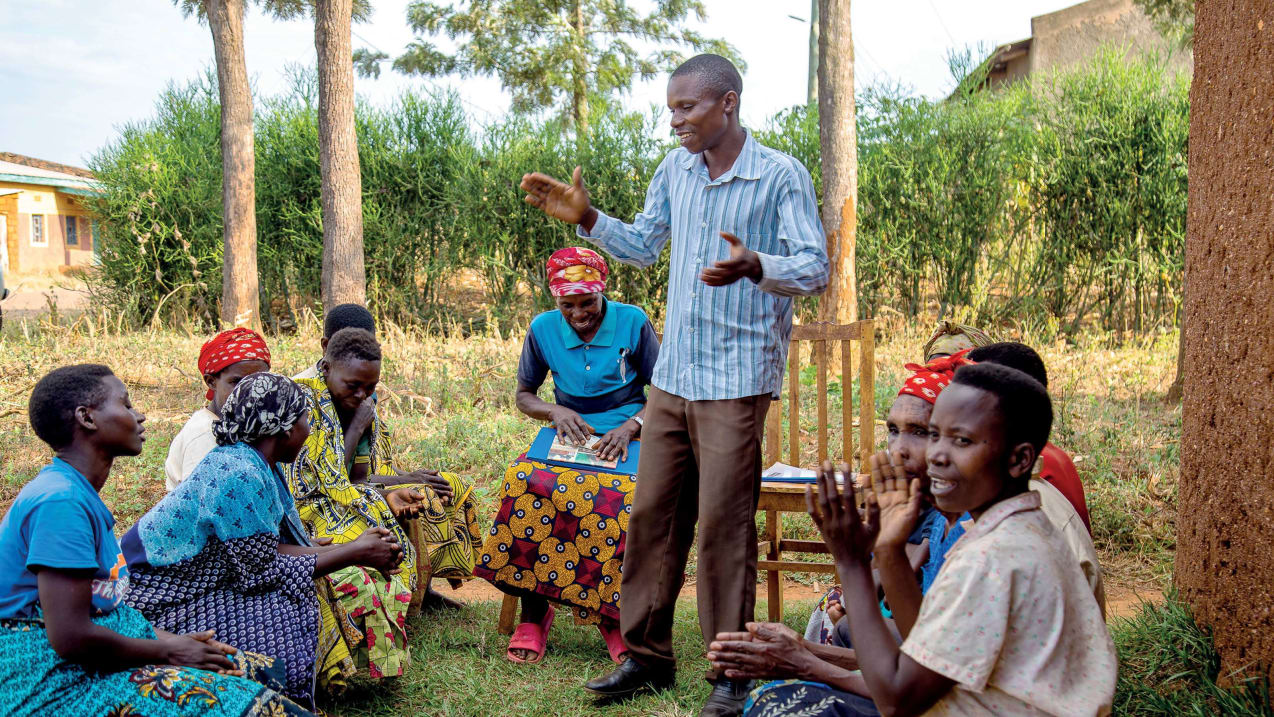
(1225, 558)
(483, 591)
(1126, 600)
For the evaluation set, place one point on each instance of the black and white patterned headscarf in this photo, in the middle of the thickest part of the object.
(262, 405)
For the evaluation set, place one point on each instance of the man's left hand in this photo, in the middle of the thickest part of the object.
(743, 263)
(767, 651)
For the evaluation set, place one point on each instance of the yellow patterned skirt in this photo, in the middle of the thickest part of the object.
(560, 533)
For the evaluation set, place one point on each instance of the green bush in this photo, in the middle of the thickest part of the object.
(1056, 204)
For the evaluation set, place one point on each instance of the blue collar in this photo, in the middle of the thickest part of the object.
(605, 333)
(746, 166)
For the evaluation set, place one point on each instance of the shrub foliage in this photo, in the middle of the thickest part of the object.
(1060, 203)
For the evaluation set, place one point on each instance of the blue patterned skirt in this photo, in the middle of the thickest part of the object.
(253, 597)
(39, 682)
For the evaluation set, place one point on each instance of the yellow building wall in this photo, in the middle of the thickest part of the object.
(46, 201)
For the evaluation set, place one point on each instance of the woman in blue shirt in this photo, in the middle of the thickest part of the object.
(68, 645)
(560, 532)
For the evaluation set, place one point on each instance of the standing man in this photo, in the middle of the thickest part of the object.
(743, 220)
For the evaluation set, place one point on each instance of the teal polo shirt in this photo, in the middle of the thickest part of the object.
(603, 380)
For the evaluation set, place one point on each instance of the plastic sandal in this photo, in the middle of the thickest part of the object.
(614, 643)
(533, 637)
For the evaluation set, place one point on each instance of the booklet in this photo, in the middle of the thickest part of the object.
(784, 473)
(549, 448)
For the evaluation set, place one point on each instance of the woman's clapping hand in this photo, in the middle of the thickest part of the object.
(767, 651)
(379, 549)
(849, 537)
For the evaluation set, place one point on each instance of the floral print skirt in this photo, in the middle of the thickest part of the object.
(39, 682)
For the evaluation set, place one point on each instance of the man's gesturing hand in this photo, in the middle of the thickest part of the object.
(743, 262)
(568, 202)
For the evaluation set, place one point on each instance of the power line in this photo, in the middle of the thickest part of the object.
(940, 22)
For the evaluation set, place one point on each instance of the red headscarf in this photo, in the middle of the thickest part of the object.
(576, 270)
(927, 381)
(231, 347)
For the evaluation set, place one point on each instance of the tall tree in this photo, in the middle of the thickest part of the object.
(838, 142)
(548, 53)
(240, 294)
(344, 278)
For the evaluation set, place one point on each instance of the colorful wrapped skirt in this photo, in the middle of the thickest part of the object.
(560, 534)
(39, 682)
(254, 598)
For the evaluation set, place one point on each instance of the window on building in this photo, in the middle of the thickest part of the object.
(72, 232)
(95, 229)
(38, 237)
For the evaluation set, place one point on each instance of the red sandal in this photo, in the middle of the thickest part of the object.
(614, 643)
(532, 637)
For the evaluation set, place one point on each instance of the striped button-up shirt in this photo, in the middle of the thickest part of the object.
(728, 341)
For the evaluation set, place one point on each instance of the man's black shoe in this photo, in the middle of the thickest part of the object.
(630, 678)
(727, 698)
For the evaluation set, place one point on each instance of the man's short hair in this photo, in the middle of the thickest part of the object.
(55, 397)
(1025, 409)
(1014, 355)
(716, 72)
(352, 344)
(346, 316)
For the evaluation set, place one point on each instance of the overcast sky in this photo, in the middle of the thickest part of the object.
(76, 70)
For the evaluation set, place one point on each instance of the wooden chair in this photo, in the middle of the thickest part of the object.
(779, 498)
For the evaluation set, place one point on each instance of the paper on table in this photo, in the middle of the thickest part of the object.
(792, 474)
(783, 470)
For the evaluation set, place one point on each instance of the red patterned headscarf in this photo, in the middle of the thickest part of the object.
(576, 270)
(231, 347)
(927, 381)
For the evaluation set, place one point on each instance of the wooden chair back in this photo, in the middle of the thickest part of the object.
(827, 340)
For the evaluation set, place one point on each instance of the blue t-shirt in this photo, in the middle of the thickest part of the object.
(940, 542)
(603, 380)
(59, 521)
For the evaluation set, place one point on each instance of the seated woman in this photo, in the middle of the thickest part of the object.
(559, 534)
(67, 643)
(951, 338)
(226, 551)
(223, 362)
(1013, 403)
(344, 482)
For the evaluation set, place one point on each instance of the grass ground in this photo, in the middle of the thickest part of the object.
(449, 401)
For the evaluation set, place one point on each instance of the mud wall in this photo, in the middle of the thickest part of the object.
(1225, 552)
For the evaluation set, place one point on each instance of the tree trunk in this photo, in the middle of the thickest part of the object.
(240, 300)
(344, 280)
(811, 82)
(838, 143)
(579, 75)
